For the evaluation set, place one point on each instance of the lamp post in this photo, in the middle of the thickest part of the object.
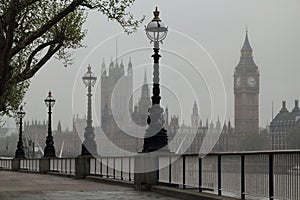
(49, 150)
(20, 148)
(89, 146)
(156, 137)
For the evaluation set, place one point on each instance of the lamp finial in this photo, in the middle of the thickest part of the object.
(156, 15)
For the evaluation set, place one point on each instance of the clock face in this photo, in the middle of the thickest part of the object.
(238, 81)
(251, 82)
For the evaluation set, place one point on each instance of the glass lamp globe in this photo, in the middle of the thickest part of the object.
(21, 113)
(156, 31)
(49, 101)
(89, 79)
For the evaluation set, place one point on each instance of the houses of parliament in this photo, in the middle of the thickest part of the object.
(246, 113)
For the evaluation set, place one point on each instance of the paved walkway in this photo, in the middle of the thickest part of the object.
(26, 186)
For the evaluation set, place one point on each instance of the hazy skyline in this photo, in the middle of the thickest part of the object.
(219, 26)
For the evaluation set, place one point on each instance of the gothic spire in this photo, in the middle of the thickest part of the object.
(129, 69)
(145, 89)
(195, 109)
(122, 67)
(111, 67)
(246, 59)
(103, 68)
(246, 46)
(218, 124)
(74, 127)
(59, 127)
(145, 77)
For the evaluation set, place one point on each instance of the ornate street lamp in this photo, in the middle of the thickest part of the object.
(89, 146)
(156, 137)
(49, 149)
(20, 148)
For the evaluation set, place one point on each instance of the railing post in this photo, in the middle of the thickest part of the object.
(107, 176)
(121, 168)
(243, 176)
(101, 172)
(114, 168)
(82, 166)
(271, 176)
(95, 166)
(44, 165)
(129, 169)
(200, 174)
(70, 166)
(183, 171)
(170, 170)
(219, 176)
(15, 164)
(146, 171)
(66, 166)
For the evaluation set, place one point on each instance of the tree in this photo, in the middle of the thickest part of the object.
(33, 31)
(293, 138)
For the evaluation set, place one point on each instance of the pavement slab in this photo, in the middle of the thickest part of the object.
(30, 186)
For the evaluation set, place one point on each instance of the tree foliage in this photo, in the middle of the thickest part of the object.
(33, 31)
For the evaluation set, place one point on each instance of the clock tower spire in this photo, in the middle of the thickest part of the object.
(246, 92)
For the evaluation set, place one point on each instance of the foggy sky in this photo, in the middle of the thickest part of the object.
(219, 26)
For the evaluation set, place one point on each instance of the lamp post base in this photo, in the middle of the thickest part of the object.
(156, 138)
(49, 152)
(158, 142)
(20, 153)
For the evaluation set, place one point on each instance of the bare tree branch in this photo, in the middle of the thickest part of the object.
(38, 49)
(29, 74)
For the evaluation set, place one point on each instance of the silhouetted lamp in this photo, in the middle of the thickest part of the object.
(20, 148)
(49, 150)
(89, 146)
(156, 137)
(156, 31)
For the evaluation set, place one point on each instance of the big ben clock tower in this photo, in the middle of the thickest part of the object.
(246, 92)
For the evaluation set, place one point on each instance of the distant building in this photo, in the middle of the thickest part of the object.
(281, 125)
(36, 132)
(246, 92)
(189, 139)
(112, 131)
(140, 112)
(195, 116)
(67, 143)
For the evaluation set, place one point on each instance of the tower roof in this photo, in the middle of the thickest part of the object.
(129, 65)
(145, 77)
(145, 89)
(246, 46)
(246, 59)
(283, 108)
(195, 109)
(103, 68)
(296, 108)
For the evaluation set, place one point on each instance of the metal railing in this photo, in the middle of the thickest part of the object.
(251, 175)
(30, 164)
(62, 165)
(6, 163)
(244, 175)
(113, 167)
